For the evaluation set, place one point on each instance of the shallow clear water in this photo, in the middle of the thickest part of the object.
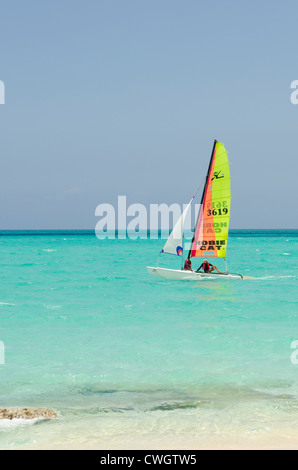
(117, 353)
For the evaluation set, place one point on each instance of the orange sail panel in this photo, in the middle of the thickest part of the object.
(211, 231)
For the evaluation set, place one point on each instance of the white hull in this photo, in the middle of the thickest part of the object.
(180, 274)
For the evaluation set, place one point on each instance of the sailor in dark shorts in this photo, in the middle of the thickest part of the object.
(207, 267)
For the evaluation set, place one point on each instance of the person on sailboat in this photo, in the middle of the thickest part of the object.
(187, 264)
(207, 267)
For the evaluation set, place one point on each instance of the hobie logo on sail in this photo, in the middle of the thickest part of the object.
(217, 175)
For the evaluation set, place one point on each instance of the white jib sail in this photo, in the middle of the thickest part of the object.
(174, 244)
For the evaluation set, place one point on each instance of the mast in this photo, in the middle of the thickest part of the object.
(182, 231)
(202, 198)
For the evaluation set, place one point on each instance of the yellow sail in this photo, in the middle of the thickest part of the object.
(211, 231)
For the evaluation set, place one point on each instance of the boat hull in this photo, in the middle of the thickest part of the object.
(184, 275)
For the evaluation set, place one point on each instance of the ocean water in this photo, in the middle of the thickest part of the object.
(130, 361)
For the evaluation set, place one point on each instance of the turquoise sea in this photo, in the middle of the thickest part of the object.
(130, 361)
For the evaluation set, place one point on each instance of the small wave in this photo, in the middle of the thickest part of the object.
(48, 250)
(52, 306)
(103, 391)
(15, 422)
(286, 254)
(88, 391)
(6, 303)
(277, 278)
(110, 278)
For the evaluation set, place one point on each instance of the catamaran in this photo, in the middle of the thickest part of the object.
(212, 227)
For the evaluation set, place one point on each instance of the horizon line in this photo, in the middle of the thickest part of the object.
(133, 231)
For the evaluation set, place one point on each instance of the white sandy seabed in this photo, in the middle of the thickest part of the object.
(171, 430)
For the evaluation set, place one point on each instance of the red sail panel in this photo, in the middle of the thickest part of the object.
(205, 227)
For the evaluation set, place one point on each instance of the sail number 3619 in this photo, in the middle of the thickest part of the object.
(223, 211)
(218, 208)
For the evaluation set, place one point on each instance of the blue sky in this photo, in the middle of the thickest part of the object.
(126, 98)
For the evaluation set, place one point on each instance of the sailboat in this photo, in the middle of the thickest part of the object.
(211, 231)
